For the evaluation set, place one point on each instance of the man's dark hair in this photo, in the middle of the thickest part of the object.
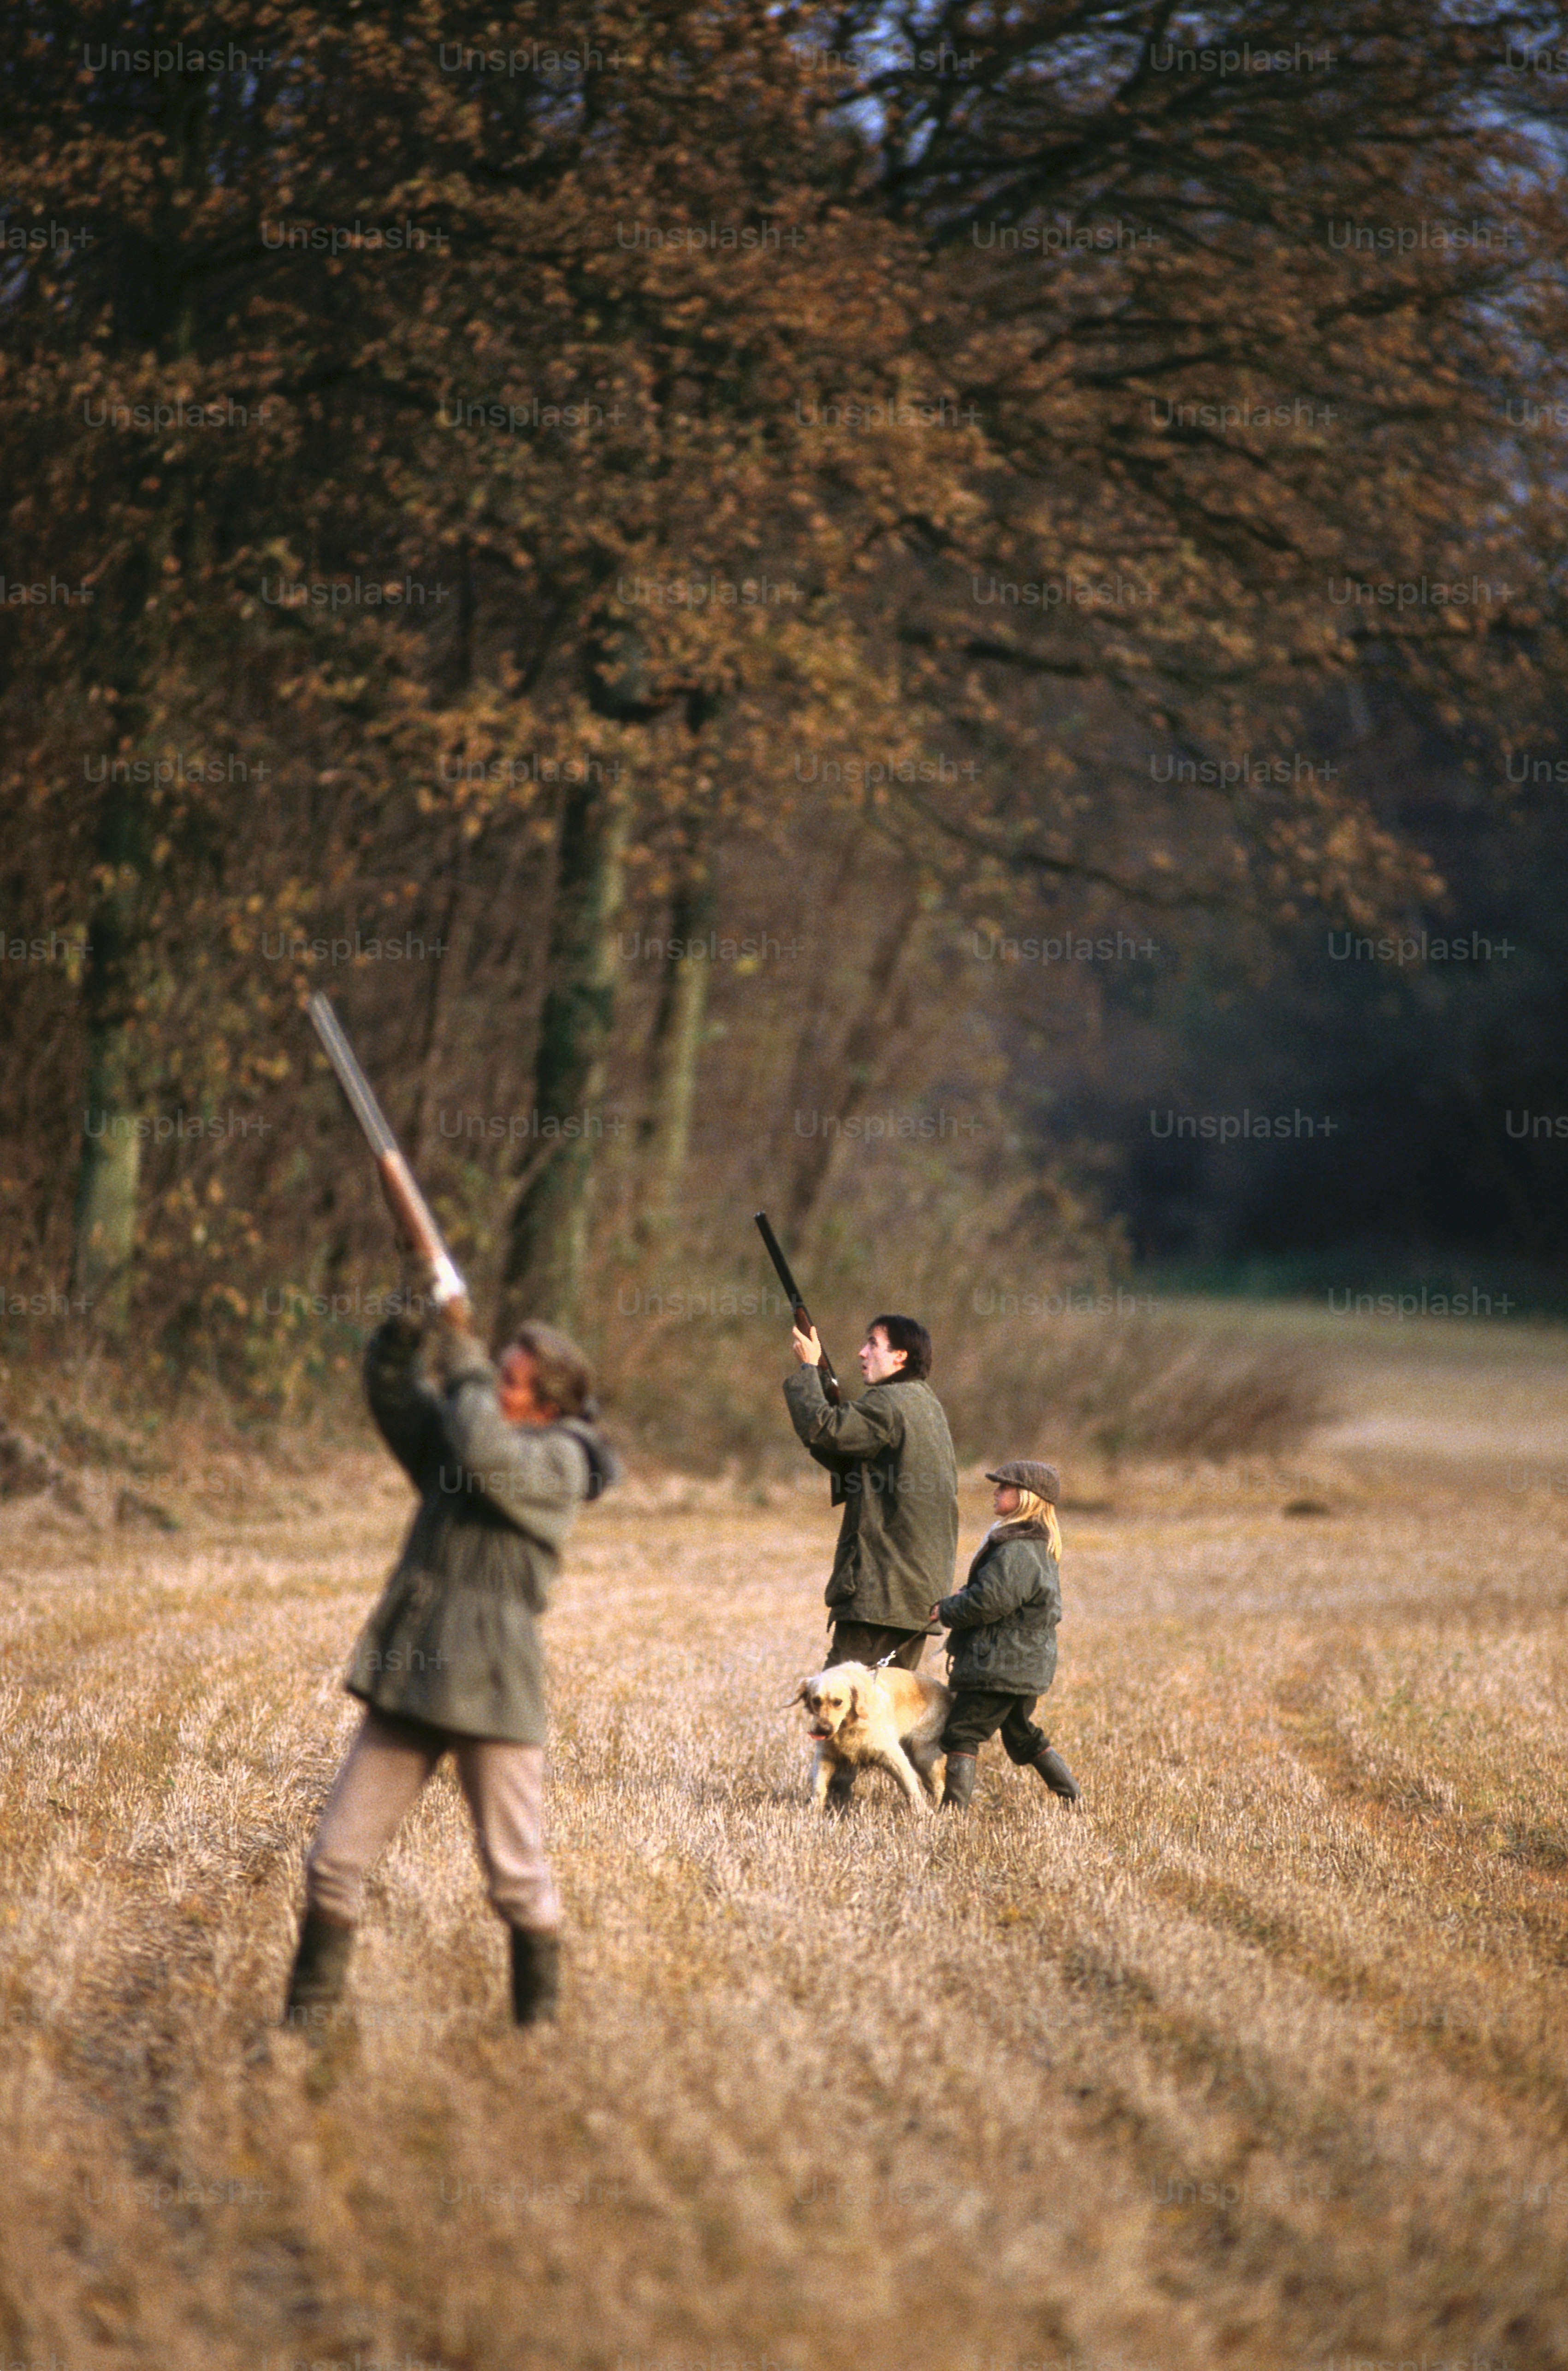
(905, 1334)
(563, 1379)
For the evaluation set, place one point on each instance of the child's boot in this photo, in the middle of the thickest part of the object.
(1057, 1774)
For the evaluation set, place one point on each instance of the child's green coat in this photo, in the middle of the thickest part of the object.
(1003, 1621)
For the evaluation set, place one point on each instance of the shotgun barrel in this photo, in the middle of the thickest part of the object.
(792, 1294)
(407, 1205)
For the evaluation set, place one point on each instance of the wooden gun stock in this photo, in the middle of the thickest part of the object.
(420, 1232)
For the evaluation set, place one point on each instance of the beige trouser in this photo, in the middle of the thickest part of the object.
(387, 1766)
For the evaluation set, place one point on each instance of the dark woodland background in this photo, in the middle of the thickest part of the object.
(810, 609)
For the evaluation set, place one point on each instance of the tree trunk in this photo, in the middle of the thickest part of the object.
(677, 1038)
(548, 1233)
(104, 1232)
(130, 656)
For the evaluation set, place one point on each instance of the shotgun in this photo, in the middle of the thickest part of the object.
(407, 1205)
(792, 1294)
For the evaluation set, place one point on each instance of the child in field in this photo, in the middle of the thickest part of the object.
(1002, 1634)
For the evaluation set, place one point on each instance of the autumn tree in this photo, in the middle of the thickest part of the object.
(523, 383)
(580, 472)
(1241, 301)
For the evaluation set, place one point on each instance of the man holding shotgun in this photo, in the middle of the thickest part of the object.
(890, 1455)
(450, 1659)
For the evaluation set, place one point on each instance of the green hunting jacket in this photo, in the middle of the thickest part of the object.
(454, 1639)
(1003, 1621)
(890, 1454)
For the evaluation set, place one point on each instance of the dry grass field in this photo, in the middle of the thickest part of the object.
(1261, 2060)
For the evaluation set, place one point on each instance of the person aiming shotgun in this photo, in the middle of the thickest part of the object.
(890, 1457)
(500, 1455)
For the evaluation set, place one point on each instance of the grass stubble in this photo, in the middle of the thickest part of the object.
(1262, 2060)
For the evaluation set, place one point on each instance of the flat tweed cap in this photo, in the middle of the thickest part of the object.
(1024, 1473)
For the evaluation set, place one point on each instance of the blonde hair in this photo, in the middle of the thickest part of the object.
(1032, 1509)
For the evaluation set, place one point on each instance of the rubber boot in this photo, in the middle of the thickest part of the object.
(958, 1788)
(840, 1788)
(1057, 1774)
(536, 1975)
(321, 1962)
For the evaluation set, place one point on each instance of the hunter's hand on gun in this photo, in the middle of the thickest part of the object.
(419, 1283)
(807, 1347)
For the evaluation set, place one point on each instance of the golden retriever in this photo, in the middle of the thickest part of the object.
(884, 1719)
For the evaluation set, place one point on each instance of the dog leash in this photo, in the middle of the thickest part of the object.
(883, 1662)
